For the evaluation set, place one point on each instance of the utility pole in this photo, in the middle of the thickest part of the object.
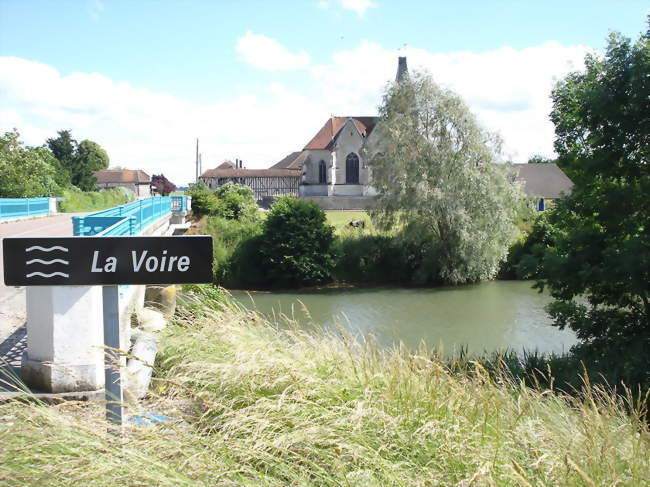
(197, 162)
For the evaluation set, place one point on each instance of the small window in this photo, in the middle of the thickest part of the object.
(540, 205)
(322, 172)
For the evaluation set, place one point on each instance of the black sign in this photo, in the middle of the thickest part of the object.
(107, 260)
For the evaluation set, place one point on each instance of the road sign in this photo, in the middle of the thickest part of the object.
(108, 261)
(89, 261)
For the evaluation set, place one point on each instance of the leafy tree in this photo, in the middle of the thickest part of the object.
(79, 160)
(163, 185)
(296, 244)
(599, 268)
(435, 171)
(539, 159)
(26, 172)
(236, 201)
(91, 155)
(204, 201)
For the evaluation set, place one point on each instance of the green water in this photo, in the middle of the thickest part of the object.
(483, 317)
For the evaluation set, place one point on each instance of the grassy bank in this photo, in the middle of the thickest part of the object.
(78, 201)
(257, 406)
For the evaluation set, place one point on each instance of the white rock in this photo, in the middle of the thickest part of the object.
(152, 320)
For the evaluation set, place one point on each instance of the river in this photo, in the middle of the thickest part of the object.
(484, 317)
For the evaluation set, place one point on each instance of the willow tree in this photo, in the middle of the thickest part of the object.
(440, 184)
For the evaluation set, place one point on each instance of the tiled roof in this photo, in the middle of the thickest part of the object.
(543, 180)
(328, 132)
(121, 176)
(248, 173)
(226, 165)
(294, 161)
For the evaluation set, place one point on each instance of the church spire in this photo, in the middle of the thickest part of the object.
(402, 69)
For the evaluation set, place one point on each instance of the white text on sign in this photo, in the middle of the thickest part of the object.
(142, 262)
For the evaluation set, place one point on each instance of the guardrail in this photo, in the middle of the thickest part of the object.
(129, 219)
(23, 207)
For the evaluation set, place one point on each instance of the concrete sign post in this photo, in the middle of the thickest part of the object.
(108, 261)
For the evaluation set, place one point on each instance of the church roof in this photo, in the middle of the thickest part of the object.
(543, 180)
(328, 132)
(226, 165)
(293, 161)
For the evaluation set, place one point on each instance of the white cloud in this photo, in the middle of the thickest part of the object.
(508, 89)
(263, 52)
(359, 6)
(153, 131)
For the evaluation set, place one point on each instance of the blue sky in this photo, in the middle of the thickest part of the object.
(255, 79)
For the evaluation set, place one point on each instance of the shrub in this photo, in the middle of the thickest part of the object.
(227, 238)
(296, 244)
(204, 201)
(525, 256)
(236, 201)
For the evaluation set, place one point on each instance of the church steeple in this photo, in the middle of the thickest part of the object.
(402, 69)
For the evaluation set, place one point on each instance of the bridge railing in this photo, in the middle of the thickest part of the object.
(129, 219)
(23, 207)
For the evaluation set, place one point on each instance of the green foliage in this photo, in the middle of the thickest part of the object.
(539, 159)
(236, 201)
(435, 169)
(296, 244)
(599, 268)
(204, 201)
(78, 160)
(26, 172)
(76, 200)
(232, 265)
(527, 253)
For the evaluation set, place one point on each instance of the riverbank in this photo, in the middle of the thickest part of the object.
(255, 405)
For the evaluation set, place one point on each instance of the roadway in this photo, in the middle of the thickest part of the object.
(12, 299)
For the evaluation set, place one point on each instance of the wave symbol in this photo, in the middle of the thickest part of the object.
(47, 262)
(62, 274)
(46, 249)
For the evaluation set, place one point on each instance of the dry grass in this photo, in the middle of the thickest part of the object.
(263, 407)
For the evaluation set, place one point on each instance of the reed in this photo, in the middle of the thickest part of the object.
(255, 404)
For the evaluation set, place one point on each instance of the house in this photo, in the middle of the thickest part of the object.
(282, 178)
(545, 182)
(135, 179)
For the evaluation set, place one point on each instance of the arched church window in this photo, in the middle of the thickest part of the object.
(352, 168)
(322, 172)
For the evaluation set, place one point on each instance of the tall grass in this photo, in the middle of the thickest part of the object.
(77, 201)
(256, 405)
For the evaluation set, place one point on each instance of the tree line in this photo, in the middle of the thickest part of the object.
(60, 164)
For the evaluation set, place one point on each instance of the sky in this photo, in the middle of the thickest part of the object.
(255, 80)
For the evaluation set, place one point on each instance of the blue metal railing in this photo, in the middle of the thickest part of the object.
(129, 219)
(23, 207)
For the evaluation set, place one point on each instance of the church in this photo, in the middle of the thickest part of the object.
(331, 172)
(335, 175)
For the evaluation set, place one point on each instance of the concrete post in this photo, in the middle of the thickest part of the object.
(64, 339)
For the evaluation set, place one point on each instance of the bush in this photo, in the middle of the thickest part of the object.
(204, 202)
(525, 255)
(76, 200)
(235, 201)
(296, 244)
(227, 238)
